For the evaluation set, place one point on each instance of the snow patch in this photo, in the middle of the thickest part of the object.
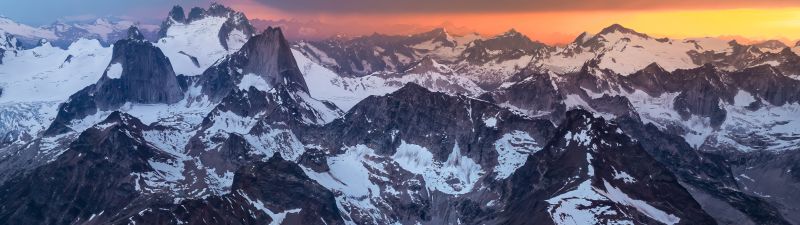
(114, 71)
(457, 175)
(512, 152)
(253, 80)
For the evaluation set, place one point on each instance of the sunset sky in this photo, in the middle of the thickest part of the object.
(550, 21)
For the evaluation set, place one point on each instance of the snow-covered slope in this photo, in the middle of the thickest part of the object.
(48, 73)
(345, 92)
(195, 43)
(24, 31)
(62, 34)
(195, 46)
(107, 30)
(622, 50)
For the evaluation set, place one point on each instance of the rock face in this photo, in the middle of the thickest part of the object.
(92, 176)
(8, 45)
(579, 176)
(107, 168)
(774, 173)
(264, 58)
(511, 45)
(534, 93)
(138, 73)
(485, 61)
(707, 176)
(276, 192)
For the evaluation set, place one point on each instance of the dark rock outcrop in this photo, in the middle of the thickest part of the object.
(532, 92)
(141, 74)
(434, 120)
(260, 191)
(267, 55)
(587, 156)
(94, 175)
(146, 76)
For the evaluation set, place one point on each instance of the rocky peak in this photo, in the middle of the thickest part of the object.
(617, 28)
(431, 119)
(138, 73)
(591, 165)
(654, 68)
(582, 38)
(8, 43)
(428, 65)
(768, 83)
(507, 46)
(771, 44)
(134, 34)
(511, 33)
(436, 35)
(269, 56)
(235, 20)
(177, 14)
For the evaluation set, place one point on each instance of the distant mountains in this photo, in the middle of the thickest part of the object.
(61, 34)
(216, 121)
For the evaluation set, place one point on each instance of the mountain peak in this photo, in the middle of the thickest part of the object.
(410, 88)
(582, 38)
(771, 44)
(177, 14)
(617, 28)
(266, 56)
(436, 32)
(134, 34)
(512, 33)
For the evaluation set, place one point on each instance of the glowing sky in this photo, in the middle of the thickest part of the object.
(550, 21)
(766, 20)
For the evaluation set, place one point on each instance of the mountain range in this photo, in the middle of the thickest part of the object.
(206, 119)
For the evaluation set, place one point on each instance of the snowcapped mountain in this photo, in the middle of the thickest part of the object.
(487, 61)
(195, 42)
(106, 30)
(62, 34)
(217, 123)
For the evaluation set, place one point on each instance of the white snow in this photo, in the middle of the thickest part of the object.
(581, 138)
(229, 122)
(114, 71)
(41, 73)
(413, 158)
(576, 208)
(628, 53)
(345, 92)
(199, 39)
(350, 174)
(625, 177)
(277, 141)
(457, 175)
(22, 30)
(490, 122)
(743, 99)
(277, 218)
(512, 152)
(616, 195)
(253, 80)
